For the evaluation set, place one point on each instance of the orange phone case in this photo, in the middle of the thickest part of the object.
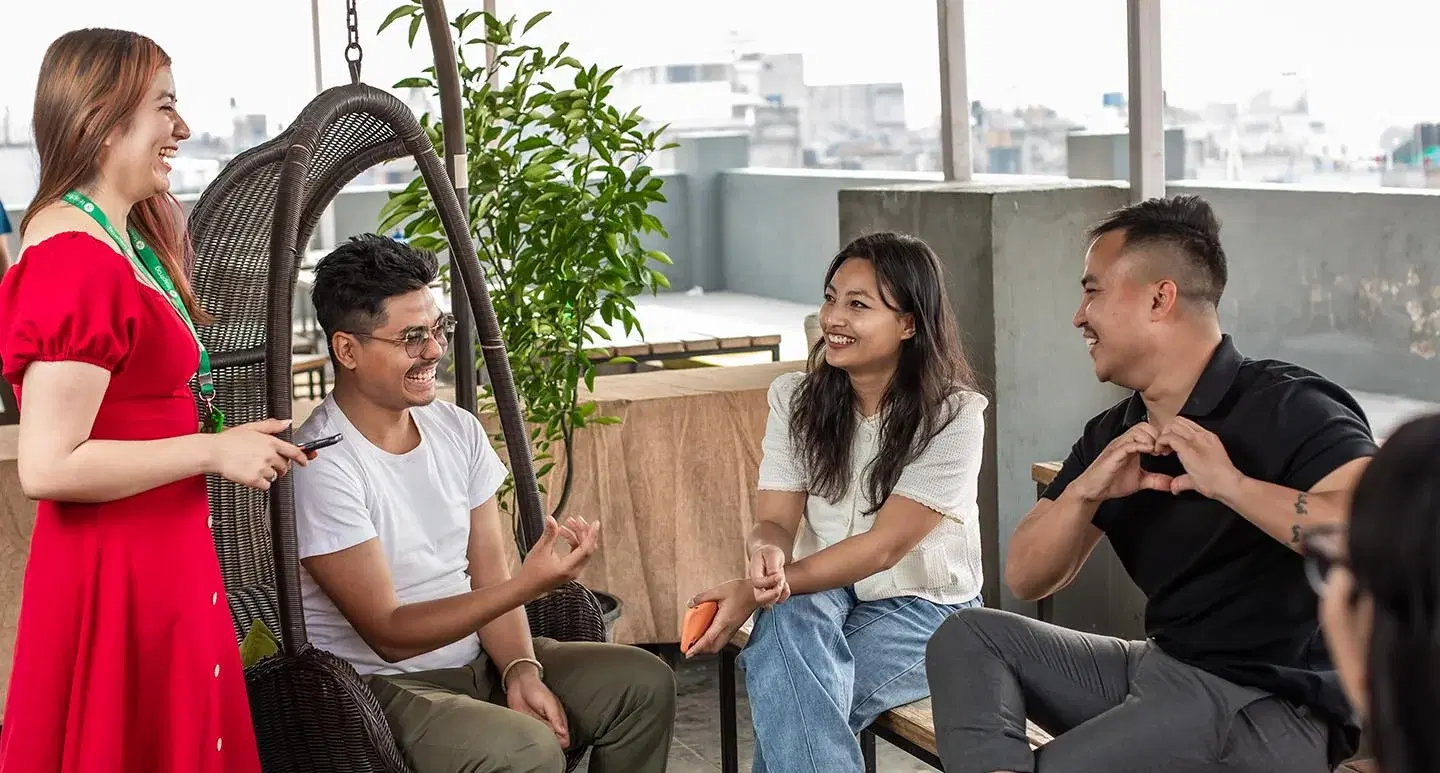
(697, 621)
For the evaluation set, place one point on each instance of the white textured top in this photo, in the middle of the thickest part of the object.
(417, 504)
(945, 567)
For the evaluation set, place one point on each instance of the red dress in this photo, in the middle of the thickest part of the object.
(125, 658)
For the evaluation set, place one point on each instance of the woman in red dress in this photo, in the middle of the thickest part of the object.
(125, 658)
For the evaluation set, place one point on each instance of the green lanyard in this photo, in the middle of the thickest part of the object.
(144, 258)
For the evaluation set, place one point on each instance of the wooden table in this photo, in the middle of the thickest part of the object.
(674, 485)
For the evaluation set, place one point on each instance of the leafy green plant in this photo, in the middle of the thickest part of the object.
(559, 197)
(259, 643)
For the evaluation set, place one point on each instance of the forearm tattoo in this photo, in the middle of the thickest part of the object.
(1301, 500)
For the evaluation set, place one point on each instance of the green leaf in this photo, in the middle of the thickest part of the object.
(536, 19)
(608, 74)
(414, 83)
(395, 218)
(536, 172)
(397, 200)
(640, 173)
(659, 278)
(398, 13)
(259, 643)
(605, 420)
(466, 19)
(659, 257)
(415, 26)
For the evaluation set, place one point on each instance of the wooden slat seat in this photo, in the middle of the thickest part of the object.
(913, 723)
(312, 368)
(696, 343)
(305, 363)
(684, 345)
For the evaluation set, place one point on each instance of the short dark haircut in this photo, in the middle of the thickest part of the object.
(1186, 230)
(353, 282)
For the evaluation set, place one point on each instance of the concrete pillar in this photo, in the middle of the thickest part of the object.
(1146, 102)
(954, 92)
(1012, 253)
(701, 158)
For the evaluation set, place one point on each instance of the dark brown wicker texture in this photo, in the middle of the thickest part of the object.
(311, 711)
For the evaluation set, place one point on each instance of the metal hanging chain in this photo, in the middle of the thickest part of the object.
(353, 54)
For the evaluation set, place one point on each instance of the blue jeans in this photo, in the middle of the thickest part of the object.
(821, 667)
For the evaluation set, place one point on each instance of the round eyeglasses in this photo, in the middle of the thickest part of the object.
(416, 338)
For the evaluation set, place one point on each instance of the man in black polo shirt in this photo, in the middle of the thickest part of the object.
(1203, 480)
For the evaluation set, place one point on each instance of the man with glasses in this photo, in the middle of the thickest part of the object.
(1204, 479)
(402, 547)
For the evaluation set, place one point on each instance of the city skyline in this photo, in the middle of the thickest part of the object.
(1363, 72)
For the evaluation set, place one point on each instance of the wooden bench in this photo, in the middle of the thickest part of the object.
(687, 346)
(312, 367)
(911, 727)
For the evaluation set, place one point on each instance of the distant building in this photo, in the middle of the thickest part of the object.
(687, 96)
(248, 131)
(775, 137)
(19, 174)
(855, 112)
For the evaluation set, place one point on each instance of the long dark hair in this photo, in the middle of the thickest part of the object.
(916, 404)
(1394, 541)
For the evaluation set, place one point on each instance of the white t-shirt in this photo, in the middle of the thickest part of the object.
(418, 504)
(945, 567)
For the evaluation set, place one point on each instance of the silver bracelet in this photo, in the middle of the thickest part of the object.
(505, 675)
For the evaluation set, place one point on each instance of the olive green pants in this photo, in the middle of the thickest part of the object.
(618, 700)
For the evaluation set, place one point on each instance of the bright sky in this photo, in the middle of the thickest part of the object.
(1368, 68)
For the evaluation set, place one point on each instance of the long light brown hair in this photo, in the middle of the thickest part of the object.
(91, 83)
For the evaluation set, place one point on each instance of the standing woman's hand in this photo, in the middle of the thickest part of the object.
(252, 456)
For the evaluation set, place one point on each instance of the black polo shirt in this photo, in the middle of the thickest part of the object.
(1221, 594)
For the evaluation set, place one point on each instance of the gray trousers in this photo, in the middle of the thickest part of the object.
(1114, 706)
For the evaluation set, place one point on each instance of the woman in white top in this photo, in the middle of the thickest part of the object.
(866, 535)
